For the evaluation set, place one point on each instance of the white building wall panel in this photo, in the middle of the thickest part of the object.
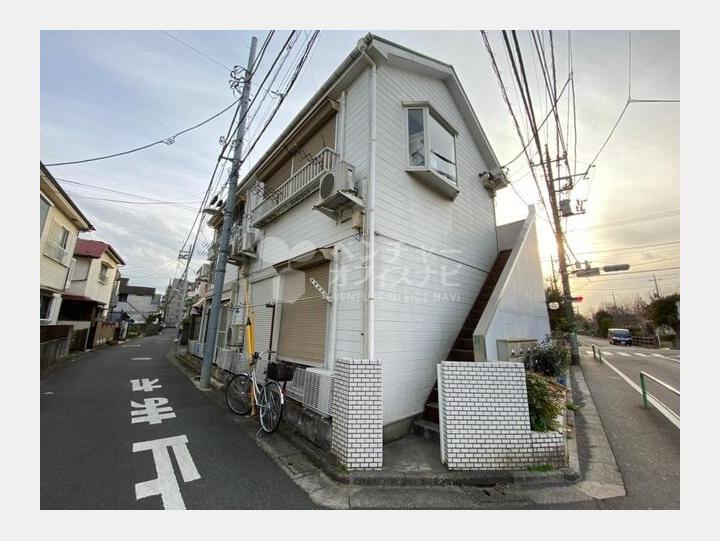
(522, 312)
(422, 300)
(406, 208)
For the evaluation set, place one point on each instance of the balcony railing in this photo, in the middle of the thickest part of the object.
(301, 184)
(56, 252)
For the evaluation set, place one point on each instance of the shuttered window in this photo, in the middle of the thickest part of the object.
(303, 318)
(262, 293)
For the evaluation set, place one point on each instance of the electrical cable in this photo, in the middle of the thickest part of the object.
(210, 58)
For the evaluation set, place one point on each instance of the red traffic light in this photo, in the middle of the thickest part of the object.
(577, 299)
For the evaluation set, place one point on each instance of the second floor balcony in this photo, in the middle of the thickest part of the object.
(301, 183)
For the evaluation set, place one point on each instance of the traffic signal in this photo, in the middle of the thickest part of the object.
(616, 268)
(576, 299)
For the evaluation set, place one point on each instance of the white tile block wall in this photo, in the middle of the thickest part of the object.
(357, 413)
(485, 423)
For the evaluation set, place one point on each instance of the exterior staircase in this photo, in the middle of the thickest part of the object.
(427, 426)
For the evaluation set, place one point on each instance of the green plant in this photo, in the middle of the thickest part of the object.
(545, 402)
(541, 468)
(572, 407)
(549, 359)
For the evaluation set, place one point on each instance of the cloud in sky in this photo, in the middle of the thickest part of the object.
(102, 92)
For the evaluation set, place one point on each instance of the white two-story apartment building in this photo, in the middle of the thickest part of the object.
(368, 230)
(60, 222)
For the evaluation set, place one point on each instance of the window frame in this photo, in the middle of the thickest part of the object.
(50, 205)
(426, 172)
(103, 275)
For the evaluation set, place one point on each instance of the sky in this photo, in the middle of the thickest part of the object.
(108, 91)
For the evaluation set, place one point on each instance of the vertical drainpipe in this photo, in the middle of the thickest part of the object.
(370, 210)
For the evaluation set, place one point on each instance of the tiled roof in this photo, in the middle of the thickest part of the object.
(95, 249)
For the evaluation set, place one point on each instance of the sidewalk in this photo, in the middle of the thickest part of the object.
(413, 479)
(645, 444)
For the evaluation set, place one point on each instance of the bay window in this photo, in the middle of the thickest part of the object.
(431, 148)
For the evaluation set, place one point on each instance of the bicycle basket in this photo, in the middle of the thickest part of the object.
(280, 371)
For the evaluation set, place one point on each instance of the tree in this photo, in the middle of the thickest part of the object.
(663, 311)
(604, 320)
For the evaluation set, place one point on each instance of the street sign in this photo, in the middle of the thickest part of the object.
(594, 271)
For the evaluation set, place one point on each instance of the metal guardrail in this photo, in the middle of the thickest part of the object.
(643, 386)
(647, 397)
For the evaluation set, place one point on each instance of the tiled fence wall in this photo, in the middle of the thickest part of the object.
(357, 413)
(484, 419)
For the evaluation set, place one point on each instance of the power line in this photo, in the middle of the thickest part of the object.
(167, 141)
(210, 58)
(125, 201)
(102, 188)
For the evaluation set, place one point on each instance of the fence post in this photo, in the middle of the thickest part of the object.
(644, 390)
(593, 350)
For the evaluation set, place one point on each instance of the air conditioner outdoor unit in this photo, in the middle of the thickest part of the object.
(337, 187)
(296, 386)
(248, 241)
(317, 394)
(234, 335)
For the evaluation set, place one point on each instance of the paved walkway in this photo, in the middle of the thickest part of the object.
(645, 444)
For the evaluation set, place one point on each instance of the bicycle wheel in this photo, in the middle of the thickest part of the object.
(270, 406)
(237, 394)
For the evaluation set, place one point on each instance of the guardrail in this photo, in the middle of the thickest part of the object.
(647, 397)
(645, 393)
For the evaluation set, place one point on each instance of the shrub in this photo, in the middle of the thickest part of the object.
(549, 359)
(545, 402)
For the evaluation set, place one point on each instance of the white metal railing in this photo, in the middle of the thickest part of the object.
(57, 252)
(300, 184)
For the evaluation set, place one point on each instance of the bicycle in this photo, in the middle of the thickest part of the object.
(269, 397)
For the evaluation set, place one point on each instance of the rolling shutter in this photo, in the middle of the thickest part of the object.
(262, 293)
(303, 322)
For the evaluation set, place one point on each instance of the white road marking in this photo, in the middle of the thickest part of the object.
(141, 359)
(607, 353)
(151, 411)
(145, 384)
(640, 354)
(48, 392)
(659, 356)
(166, 485)
(623, 354)
(130, 345)
(588, 351)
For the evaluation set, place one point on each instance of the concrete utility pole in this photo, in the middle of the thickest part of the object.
(657, 291)
(567, 296)
(228, 216)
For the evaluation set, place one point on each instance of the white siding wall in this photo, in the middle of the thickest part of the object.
(52, 273)
(522, 312)
(301, 230)
(419, 315)
(92, 287)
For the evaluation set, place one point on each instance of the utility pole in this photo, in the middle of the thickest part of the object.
(614, 301)
(567, 297)
(657, 291)
(554, 278)
(228, 216)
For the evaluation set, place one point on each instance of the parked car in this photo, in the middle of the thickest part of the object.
(620, 336)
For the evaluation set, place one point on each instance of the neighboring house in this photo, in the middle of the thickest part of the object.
(88, 298)
(370, 224)
(60, 222)
(174, 296)
(135, 303)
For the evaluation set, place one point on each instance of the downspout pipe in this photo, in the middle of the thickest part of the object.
(370, 208)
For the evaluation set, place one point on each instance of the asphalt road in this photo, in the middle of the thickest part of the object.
(631, 360)
(87, 439)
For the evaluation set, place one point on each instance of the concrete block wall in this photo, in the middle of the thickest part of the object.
(485, 422)
(357, 409)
